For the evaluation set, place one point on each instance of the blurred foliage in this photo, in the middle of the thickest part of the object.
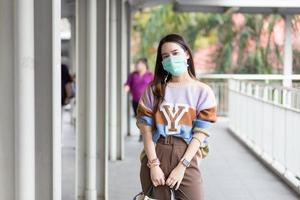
(296, 62)
(152, 25)
(202, 30)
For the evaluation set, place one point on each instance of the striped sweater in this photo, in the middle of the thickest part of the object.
(188, 107)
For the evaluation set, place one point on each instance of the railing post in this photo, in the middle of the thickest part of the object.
(243, 87)
(256, 91)
(249, 89)
(276, 96)
(266, 93)
(286, 98)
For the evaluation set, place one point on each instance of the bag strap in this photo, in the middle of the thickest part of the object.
(173, 190)
(150, 192)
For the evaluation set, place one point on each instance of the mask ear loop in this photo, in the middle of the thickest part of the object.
(166, 78)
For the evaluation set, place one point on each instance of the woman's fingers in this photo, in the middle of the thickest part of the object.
(162, 180)
(168, 182)
(157, 176)
(173, 184)
(177, 185)
(154, 183)
(158, 181)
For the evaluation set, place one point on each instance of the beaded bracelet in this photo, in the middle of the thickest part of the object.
(154, 162)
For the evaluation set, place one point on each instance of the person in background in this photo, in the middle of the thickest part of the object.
(66, 85)
(137, 82)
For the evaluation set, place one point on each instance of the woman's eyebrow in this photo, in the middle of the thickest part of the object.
(175, 50)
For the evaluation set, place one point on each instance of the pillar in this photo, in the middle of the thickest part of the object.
(72, 60)
(121, 77)
(128, 47)
(47, 61)
(7, 108)
(113, 81)
(91, 99)
(91, 83)
(24, 100)
(102, 97)
(81, 101)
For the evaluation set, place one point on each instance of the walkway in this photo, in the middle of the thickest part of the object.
(230, 172)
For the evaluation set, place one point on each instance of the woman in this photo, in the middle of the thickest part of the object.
(137, 82)
(173, 116)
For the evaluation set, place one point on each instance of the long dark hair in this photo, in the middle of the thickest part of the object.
(161, 77)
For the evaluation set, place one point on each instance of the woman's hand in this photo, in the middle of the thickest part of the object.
(157, 176)
(176, 176)
(126, 88)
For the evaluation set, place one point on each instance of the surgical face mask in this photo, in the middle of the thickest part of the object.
(175, 65)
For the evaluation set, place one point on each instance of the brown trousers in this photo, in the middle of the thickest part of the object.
(170, 151)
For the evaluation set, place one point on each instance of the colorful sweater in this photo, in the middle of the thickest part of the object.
(188, 107)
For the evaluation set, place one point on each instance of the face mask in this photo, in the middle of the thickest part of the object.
(176, 65)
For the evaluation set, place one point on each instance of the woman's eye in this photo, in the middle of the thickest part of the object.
(175, 53)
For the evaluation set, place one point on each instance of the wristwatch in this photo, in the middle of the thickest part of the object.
(185, 162)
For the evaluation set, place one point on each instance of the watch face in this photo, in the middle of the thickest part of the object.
(186, 162)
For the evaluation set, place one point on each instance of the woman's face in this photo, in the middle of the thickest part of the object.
(140, 66)
(173, 49)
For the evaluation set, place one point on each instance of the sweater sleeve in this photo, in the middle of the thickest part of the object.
(206, 111)
(145, 108)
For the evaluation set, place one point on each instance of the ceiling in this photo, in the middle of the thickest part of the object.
(244, 6)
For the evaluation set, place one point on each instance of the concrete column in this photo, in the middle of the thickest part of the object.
(288, 52)
(121, 78)
(128, 47)
(48, 99)
(7, 108)
(91, 66)
(24, 100)
(118, 76)
(81, 101)
(72, 59)
(102, 97)
(91, 54)
(113, 81)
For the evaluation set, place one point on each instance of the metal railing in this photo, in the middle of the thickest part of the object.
(266, 118)
(219, 84)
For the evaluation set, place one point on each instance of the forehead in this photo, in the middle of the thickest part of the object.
(140, 62)
(168, 47)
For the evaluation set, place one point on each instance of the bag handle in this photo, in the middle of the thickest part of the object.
(150, 191)
(173, 190)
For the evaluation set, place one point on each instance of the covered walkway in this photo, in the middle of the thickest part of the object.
(97, 157)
